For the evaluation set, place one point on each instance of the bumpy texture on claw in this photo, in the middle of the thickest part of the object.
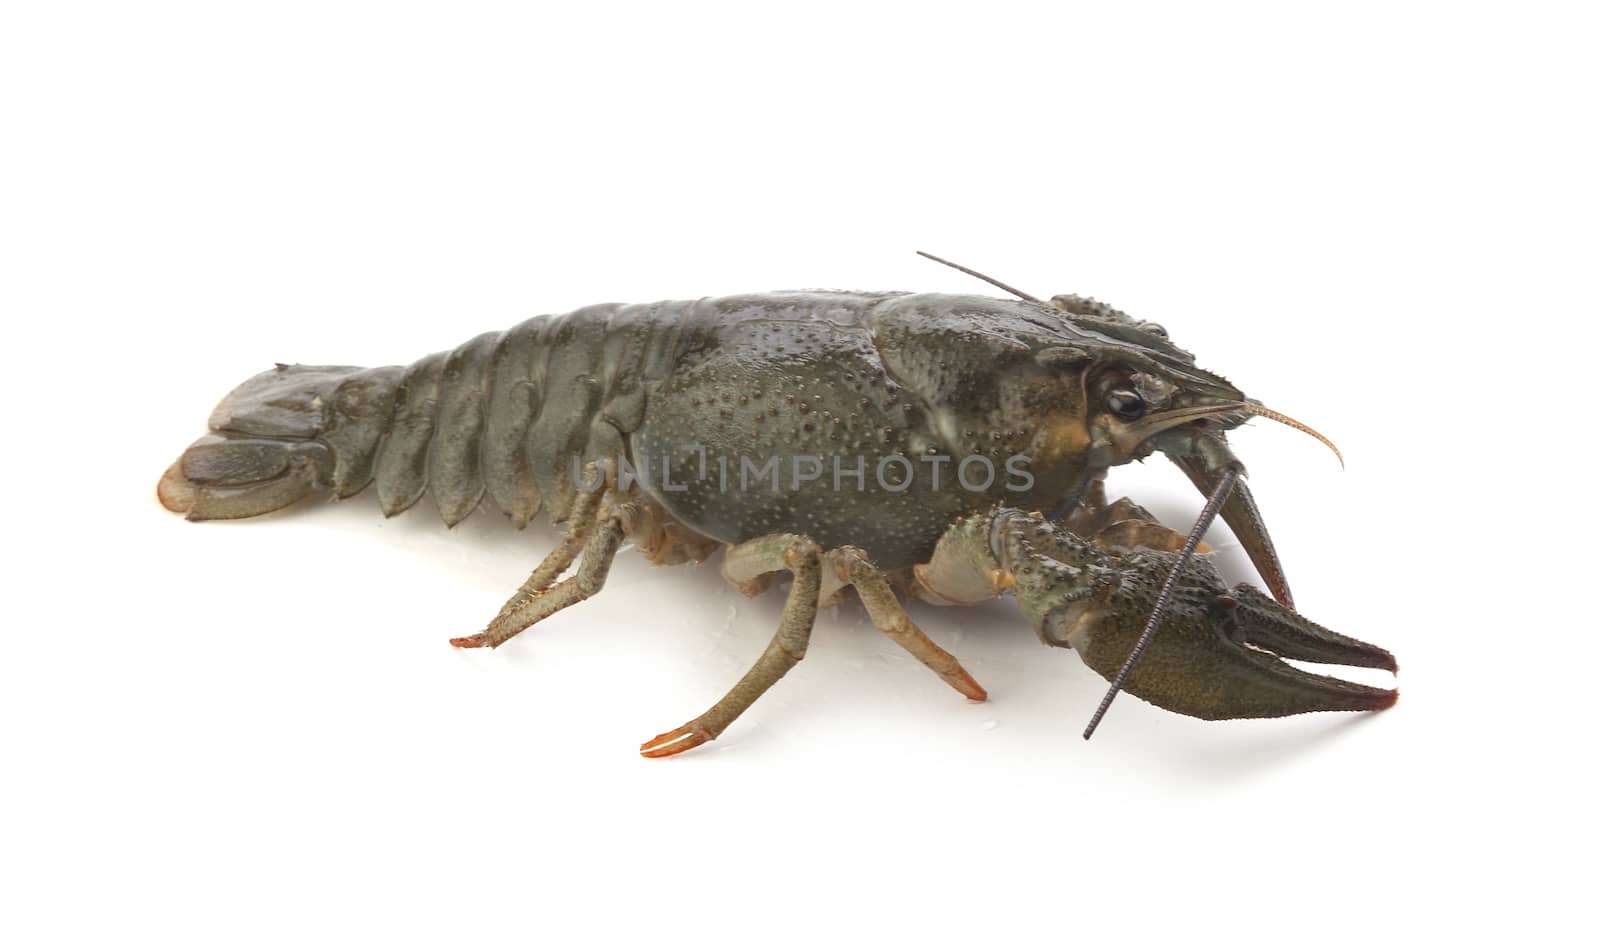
(1219, 651)
(1215, 662)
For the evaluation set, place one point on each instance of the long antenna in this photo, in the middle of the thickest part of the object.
(987, 279)
(1207, 515)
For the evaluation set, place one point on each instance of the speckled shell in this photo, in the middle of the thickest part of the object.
(900, 389)
(698, 398)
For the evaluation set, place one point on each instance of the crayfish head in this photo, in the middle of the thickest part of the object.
(1116, 405)
(1185, 414)
(1136, 384)
(1142, 394)
(1135, 409)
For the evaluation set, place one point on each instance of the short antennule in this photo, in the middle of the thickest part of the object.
(1259, 410)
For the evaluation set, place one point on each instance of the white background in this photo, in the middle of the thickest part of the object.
(1379, 219)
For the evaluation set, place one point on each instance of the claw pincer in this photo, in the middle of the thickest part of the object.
(1220, 651)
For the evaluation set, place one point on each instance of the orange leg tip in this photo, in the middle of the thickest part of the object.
(675, 742)
(471, 640)
(968, 687)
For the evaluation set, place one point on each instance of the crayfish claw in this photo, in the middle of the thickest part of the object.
(1265, 624)
(1223, 680)
(1239, 512)
(1218, 654)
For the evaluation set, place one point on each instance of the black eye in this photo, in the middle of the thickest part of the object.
(1155, 329)
(1126, 404)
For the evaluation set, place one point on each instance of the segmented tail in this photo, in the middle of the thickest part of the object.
(458, 424)
(282, 435)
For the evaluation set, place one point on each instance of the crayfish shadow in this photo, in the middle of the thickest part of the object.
(1195, 754)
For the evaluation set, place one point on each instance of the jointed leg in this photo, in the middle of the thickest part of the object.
(585, 509)
(745, 562)
(529, 607)
(852, 566)
(1122, 523)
